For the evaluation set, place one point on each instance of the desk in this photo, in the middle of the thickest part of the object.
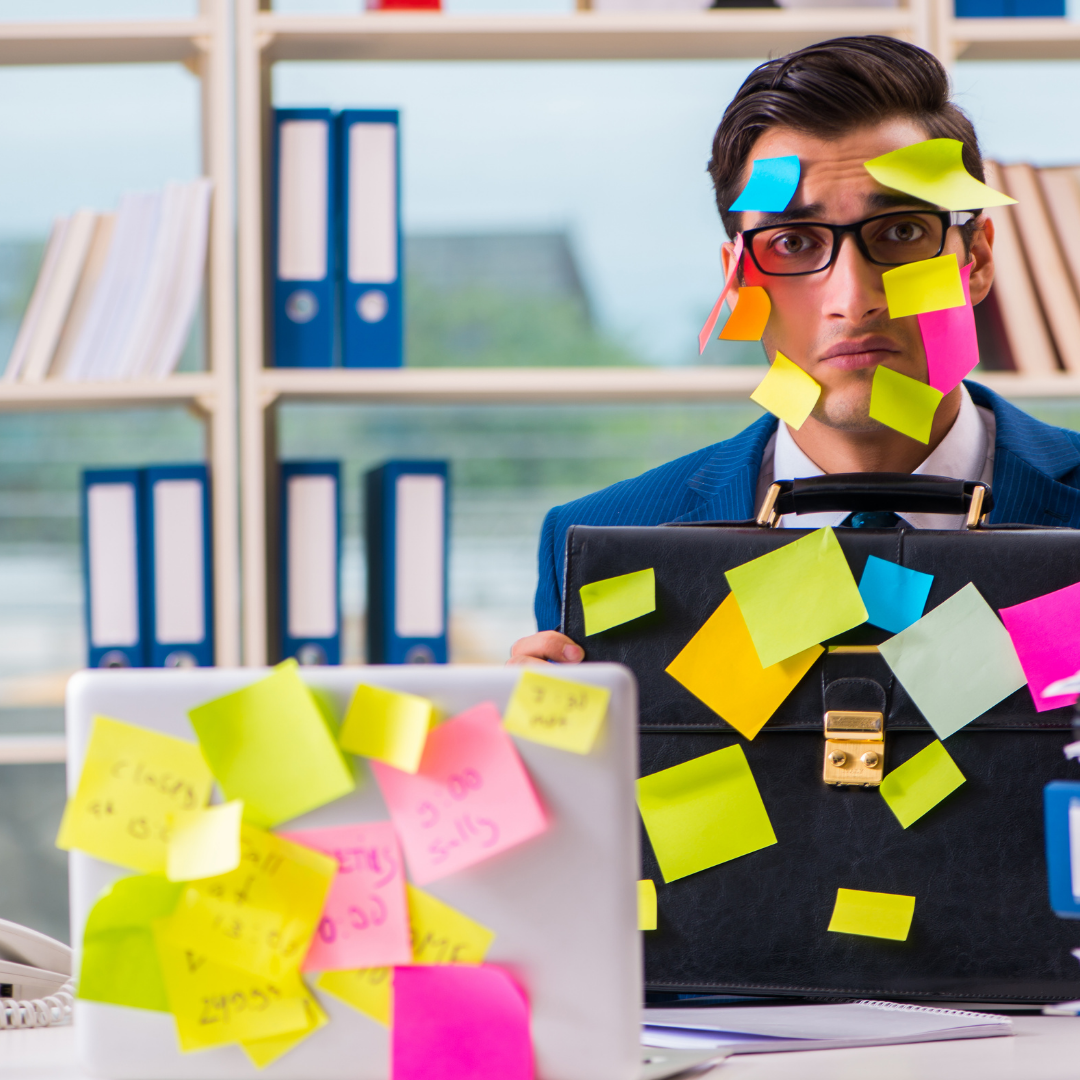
(1044, 1048)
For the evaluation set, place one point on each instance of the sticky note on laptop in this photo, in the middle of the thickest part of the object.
(207, 845)
(388, 725)
(916, 787)
(618, 600)
(263, 1052)
(557, 712)
(872, 914)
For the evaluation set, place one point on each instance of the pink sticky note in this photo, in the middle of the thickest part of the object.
(365, 922)
(458, 1022)
(710, 322)
(470, 799)
(1046, 635)
(952, 347)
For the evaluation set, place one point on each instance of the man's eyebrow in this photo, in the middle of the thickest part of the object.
(877, 200)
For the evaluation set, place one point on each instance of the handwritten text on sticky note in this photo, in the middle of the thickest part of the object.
(443, 935)
(557, 712)
(872, 914)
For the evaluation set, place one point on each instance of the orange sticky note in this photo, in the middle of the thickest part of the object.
(748, 320)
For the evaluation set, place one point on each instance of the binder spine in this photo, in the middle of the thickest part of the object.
(303, 200)
(372, 308)
(406, 532)
(310, 561)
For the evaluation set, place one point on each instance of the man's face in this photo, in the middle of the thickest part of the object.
(835, 324)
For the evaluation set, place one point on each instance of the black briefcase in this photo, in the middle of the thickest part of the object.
(983, 929)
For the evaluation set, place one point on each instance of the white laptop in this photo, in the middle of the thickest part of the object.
(563, 905)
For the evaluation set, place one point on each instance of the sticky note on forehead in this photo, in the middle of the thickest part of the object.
(872, 914)
(904, 404)
(787, 392)
(771, 185)
(136, 787)
(557, 712)
(617, 600)
(927, 285)
(917, 786)
(797, 596)
(934, 171)
(388, 725)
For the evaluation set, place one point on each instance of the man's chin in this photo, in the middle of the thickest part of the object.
(850, 415)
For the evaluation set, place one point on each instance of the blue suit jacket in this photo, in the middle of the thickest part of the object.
(1036, 482)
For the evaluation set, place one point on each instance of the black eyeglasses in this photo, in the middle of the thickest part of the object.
(808, 247)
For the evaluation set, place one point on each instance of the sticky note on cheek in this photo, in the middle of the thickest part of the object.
(388, 725)
(618, 600)
(557, 712)
(919, 287)
(787, 392)
(872, 914)
(906, 405)
(950, 341)
(750, 317)
(917, 786)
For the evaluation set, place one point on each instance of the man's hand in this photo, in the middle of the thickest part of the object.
(547, 645)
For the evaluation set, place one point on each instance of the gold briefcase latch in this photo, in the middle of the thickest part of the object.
(854, 748)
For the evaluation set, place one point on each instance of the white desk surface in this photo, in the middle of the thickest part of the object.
(1044, 1048)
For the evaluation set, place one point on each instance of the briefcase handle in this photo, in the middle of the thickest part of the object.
(899, 492)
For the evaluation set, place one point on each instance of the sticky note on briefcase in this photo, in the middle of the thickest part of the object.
(618, 600)
(872, 914)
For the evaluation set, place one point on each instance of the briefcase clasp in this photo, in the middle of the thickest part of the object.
(854, 748)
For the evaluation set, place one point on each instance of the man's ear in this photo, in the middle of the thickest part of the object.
(727, 256)
(982, 259)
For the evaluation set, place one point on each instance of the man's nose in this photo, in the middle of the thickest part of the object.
(853, 289)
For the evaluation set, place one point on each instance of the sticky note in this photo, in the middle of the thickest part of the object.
(556, 712)
(646, 904)
(207, 844)
(750, 317)
(442, 934)
(262, 915)
(950, 340)
(872, 914)
(772, 183)
(710, 322)
(904, 404)
(617, 600)
(927, 285)
(470, 799)
(365, 921)
(388, 725)
(956, 662)
(474, 1022)
(787, 392)
(215, 1004)
(135, 788)
(367, 991)
(119, 959)
(797, 596)
(920, 783)
(263, 1052)
(894, 595)
(933, 170)
(269, 745)
(703, 812)
(1045, 632)
(720, 666)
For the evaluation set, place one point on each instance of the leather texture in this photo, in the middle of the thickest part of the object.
(983, 929)
(904, 492)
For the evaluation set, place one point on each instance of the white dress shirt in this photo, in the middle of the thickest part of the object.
(966, 453)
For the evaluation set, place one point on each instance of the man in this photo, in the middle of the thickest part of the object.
(836, 105)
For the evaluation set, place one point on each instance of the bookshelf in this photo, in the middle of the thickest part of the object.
(203, 45)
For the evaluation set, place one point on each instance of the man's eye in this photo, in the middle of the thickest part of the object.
(904, 232)
(791, 243)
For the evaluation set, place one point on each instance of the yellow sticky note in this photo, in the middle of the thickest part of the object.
(389, 726)
(263, 1052)
(135, 788)
(556, 712)
(720, 666)
(872, 914)
(215, 1004)
(703, 812)
(750, 317)
(366, 990)
(119, 960)
(921, 287)
(933, 170)
(617, 600)
(797, 596)
(206, 845)
(269, 745)
(442, 934)
(920, 783)
(788, 392)
(646, 904)
(262, 915)
(904, 404)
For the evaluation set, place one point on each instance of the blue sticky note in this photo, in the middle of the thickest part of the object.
(894, 595)
(772, 183)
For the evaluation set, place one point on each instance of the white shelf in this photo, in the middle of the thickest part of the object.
(187, 389)
(1014, 39)
(103, 42)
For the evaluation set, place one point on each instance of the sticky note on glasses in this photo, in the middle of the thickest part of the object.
(927, 285)
(388, 725)
(750, 317)
(872, 914)
(918, 785)
(934, 171)
(906, 405)
(710, 322)
(772, 183)
(617, 600)
(950, 341)
(788, 392)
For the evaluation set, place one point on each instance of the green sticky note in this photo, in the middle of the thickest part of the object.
(703, 812)
(388, 725)
(933, 170)
(270, 745)
(787, 392)
(920, 783)
(797, 596)
(956, 662)
(872, 914)
(617, 600)
(646, 904)
(119, 960)
(906, 405)
(921, 287)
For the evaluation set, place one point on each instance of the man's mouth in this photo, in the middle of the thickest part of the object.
(866, 352)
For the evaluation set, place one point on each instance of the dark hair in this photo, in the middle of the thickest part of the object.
(830, 89)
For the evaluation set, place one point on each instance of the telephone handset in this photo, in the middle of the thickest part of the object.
(35, 978)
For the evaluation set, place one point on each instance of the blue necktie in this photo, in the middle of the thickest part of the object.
(871, 519)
